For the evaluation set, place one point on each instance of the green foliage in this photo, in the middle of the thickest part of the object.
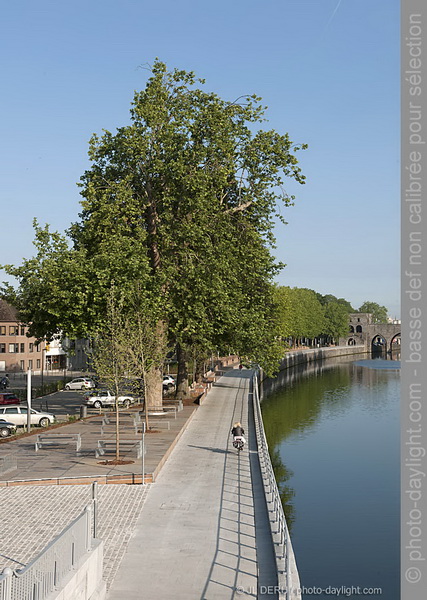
(379, 313)
(331, 298)
(300, 314)
(336, 320)
(183, 201)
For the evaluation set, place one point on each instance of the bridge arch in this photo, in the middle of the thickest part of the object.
(378, 343)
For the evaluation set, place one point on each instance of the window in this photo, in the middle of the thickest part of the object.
(2, 329)
(2, 348)
(30, 347)
(38, 364)
(22, 330)
(22, 364)
(11, 411)
(13, 330)
(22, 350)
(359, 329)
(13, 348)
(30, 364)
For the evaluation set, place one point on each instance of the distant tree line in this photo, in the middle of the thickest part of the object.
(304, 315)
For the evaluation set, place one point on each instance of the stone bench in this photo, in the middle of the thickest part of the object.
(110, 445)
(58, 439)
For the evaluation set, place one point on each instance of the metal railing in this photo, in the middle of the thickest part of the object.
(279, 528)
(47, 571)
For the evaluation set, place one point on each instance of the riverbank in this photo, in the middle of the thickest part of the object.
(309, 355)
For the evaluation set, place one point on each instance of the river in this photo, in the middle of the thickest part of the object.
(334, 434)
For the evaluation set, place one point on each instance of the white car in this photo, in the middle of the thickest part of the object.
(18, 416)
(168, 382)
(80, 383)
(106, 398)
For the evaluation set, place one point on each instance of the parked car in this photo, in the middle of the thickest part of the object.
(80, 383)
(7, 429)
(9, 398)
(18, 416)
(168, 382)
(106, 398)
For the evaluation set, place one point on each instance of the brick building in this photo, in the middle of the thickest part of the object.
(18, 352)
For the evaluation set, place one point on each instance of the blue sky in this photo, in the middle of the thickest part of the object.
(327, 69)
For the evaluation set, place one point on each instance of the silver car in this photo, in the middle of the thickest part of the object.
(80, 383)
(18, 416)
(106, 398)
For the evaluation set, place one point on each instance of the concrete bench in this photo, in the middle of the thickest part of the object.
(122, 424)
(161, 412)
(110, 445)
(173, 402)
(138, 421)
(58, 439)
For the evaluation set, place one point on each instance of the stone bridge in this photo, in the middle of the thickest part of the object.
(384, 337)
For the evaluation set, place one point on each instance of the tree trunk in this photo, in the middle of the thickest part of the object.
(117, 428)
(154, 388)
(182, 375)
(199, 370)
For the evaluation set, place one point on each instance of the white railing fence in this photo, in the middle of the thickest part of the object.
(279, 528)
(47, 571)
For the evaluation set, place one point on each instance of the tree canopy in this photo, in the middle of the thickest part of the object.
(379, 313)
(182, 203)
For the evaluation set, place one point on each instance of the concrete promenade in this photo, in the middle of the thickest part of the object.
(196, 536)
(191, 535)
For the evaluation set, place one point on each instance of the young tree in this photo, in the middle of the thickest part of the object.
(111, 356)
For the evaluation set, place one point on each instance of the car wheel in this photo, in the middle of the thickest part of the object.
(44, 422)
(67, 387)
(4, 432)
(97, 404)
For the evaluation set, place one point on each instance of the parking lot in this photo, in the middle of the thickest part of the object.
(61, 404)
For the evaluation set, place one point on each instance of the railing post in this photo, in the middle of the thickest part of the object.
(95, 506)
(7, 587)
(88, 511)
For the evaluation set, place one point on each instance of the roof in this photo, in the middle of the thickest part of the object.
(8, 312)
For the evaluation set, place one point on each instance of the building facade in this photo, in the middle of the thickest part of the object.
(18, 352)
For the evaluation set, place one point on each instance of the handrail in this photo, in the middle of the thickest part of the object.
(279, 528)
(47, 571)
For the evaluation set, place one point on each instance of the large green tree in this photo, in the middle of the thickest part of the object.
(379, 313)
(181, 200)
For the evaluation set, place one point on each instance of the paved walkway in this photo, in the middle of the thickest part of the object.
(196, 536)
(33, 516)
(189, 536)
(62, 462)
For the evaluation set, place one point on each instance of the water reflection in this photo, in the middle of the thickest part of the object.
(333, 433)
